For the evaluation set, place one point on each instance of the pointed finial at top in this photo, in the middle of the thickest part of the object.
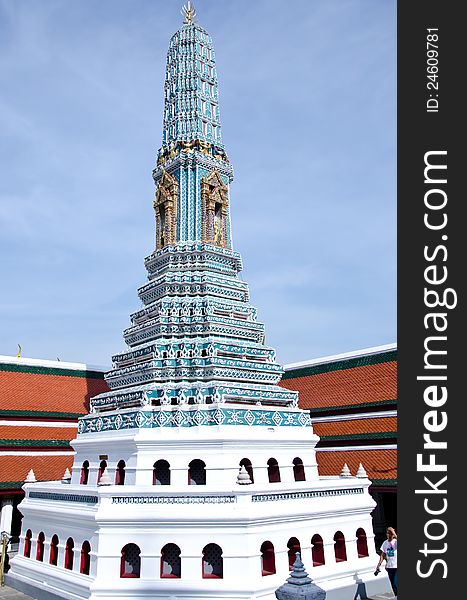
(345, 471)
(299, 585)
(31, 478)
(243, 477)
(188, 12)
(361, 471)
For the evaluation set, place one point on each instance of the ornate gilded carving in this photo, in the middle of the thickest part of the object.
(203, 147)
(189, 13)
(169, 152)
(165, 206)
(188, 146)
(215, 203)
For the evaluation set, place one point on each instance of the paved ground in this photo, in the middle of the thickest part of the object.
(8, 593)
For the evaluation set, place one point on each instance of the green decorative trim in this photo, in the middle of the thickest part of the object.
(12, 368)
(341, 365)
(41, 414)
(359, 436)
(194, 417)
(384, 482)
(10, 485)
(35, 443)
(351, 407)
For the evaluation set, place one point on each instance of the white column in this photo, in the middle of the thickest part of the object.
(6, 515)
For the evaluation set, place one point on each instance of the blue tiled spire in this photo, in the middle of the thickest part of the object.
(191, 110)
(193, 171)
(196, 338)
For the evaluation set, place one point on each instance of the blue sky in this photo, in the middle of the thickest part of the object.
(308, 111)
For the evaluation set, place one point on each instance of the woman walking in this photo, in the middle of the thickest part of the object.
(389, 554)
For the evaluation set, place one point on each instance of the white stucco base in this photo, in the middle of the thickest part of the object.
(238, 518)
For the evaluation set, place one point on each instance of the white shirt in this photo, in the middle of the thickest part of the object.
(390, 550)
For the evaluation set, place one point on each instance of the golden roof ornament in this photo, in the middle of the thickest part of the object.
(188, 12)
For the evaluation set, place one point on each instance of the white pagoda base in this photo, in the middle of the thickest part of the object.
(238, 518)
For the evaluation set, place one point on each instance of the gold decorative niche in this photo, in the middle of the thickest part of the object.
(215, 202)
(165, 206)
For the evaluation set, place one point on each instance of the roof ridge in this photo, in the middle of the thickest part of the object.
(343, 356)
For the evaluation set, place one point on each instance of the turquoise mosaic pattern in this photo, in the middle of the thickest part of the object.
(191, 108)
(176, 418)
(196, 338)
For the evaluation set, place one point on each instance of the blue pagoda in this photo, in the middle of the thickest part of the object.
(195, 476)
(197, 339)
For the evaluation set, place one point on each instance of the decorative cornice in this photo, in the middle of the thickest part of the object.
(305, 494)
(166, 153)
(174, 417)
(193, 159)
(173, 499)
(54, 497)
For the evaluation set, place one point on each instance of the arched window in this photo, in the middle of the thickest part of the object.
(197, 472)
(212, 562)
(84, 473)
(130, 564)
(317, 550)
(273, 471)
(85, 562)
(161, 473)
(69, 553)
(120, 473)
(102, 468)
(40, 546)
(171, 564)
(339, 547)
(298, 469)
(27, 543)
(268, 559)
(53, 558)
(362, 546)
(293, 546)
(246, 462)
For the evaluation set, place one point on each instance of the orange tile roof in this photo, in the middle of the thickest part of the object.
(358, 385)
(46, 468)
(15, 432)
(355, 426)
(20, 391)
(379, 464)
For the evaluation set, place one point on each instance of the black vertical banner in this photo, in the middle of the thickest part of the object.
(431, 304)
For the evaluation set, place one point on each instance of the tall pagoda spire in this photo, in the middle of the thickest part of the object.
(191, 110)
(193, 172)
(196, 339)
